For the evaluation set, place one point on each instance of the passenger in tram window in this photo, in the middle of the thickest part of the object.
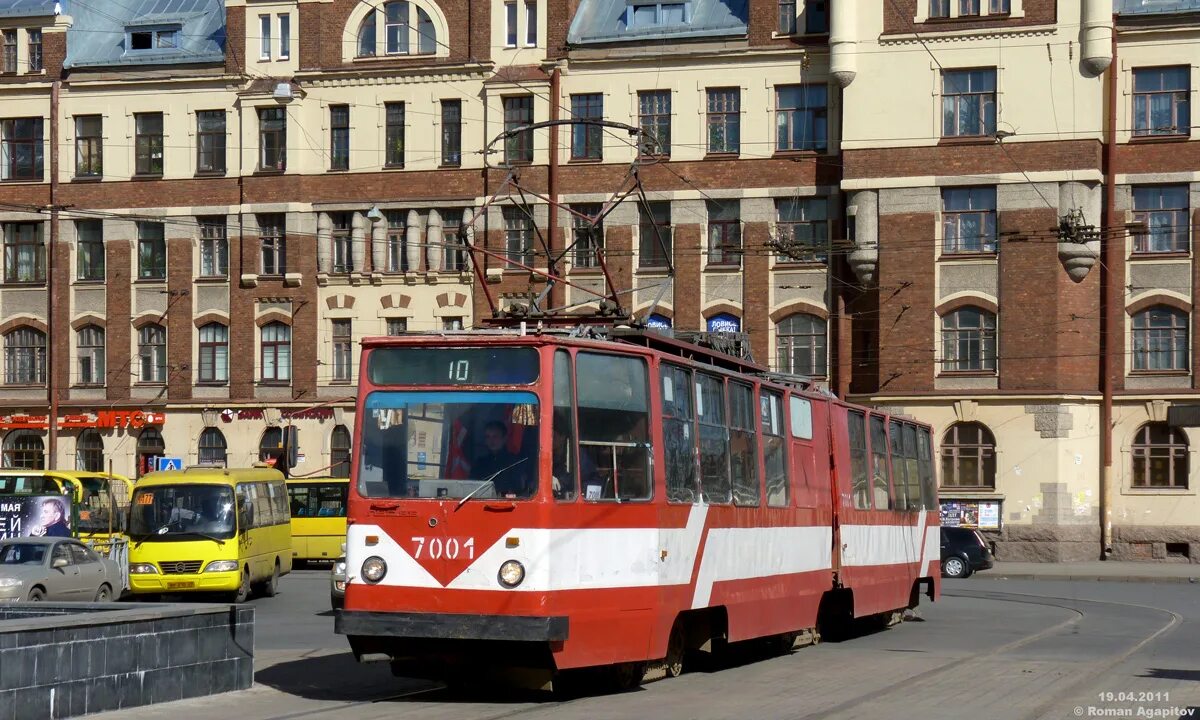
(563, 470)
(499, 461)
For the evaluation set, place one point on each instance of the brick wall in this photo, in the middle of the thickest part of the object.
(756, 291)
(972, 158)
(905, 338)
(686, 303)
(119, 364)
(898, 18)
(180, 330)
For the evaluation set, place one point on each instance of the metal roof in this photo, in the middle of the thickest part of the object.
(1155, 7)
(603, 21)
(97, 38)
(26, 8)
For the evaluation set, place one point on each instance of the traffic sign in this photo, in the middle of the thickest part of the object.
(168, 463)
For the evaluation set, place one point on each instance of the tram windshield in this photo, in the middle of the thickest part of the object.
(449, 445)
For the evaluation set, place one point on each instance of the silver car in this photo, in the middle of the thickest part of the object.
(51, 568)
(337, 584)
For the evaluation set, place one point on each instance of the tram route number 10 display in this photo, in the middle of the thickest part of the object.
(460, 370)
(453, 366)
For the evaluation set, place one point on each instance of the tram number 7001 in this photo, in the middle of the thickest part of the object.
(437, 548)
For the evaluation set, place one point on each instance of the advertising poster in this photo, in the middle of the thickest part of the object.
(35, 516)
(979, 514)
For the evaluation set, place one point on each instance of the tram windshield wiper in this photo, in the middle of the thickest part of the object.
(488, 482)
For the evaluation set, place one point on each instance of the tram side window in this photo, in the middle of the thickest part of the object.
(774, 450)
(925, 468)
(899, 469)
(564, 468)
(743, 445)
(856, 425)
(614, 446)
(679, 441)
(714, 439)
(879, 464)
(911, 466)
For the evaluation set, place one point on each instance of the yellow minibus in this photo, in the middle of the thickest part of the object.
(99, 500)
(318, 507)
(207, 529)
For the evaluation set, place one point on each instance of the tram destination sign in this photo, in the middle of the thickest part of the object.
(453, 366)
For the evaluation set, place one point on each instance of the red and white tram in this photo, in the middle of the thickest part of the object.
(555, 502)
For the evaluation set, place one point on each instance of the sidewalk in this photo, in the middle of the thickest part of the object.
(1112, 571)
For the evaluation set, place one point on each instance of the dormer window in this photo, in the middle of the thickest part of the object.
(153, 38)
(652, 14)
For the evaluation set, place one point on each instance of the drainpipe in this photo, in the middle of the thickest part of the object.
(1111, 346)
(51, 291)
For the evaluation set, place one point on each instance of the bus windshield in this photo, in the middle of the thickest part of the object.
(183, 512)
(448, 445)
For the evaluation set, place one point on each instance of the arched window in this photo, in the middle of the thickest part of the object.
(367, 36)
(90, 348)
(149, 446)
(276, 352)
(1160, 339)
(339, 452)
(1160, 457)
(24, 449)
(214, 353)
(800, 345)
(152, 354)
(212, 447)
(405, 26)
(968, 456)
(969, 341)
(271, 444)
(89, 452)
(25, 357)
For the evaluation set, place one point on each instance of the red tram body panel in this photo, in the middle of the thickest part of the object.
(568, 503)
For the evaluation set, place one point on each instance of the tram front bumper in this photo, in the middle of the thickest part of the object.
(452, 626)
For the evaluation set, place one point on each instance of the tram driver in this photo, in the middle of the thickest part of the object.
(511, 479)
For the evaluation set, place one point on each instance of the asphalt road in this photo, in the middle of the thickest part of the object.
(998, 649)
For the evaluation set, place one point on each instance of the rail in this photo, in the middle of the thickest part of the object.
(117, 550)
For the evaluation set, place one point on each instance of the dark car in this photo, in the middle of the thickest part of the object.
(963, 552)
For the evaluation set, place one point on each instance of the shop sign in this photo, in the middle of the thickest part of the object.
(35, 516)
(658, 322)
(259, 414)
(103, 420)
(981, 514)
(724, 322)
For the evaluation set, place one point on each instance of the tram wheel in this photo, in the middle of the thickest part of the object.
(627, 676)
(675, 652)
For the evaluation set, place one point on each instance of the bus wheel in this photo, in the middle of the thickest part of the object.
(243, 592)
(271, 586)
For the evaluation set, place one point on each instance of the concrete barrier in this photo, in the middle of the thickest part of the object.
(60, 660)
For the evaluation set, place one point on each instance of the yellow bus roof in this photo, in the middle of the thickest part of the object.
(210, 476)
(312, 480)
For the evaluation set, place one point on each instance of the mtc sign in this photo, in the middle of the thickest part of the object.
(103, 420)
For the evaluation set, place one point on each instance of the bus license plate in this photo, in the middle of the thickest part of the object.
(180, 585)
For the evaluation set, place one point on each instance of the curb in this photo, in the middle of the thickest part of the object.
(1090, 578)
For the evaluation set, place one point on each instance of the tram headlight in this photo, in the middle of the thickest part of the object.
(373, 569)
(511, 573)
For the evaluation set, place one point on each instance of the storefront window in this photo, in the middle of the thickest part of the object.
(89, 452)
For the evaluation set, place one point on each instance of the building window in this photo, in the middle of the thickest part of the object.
(800, 346)
(969, 341)
(1160, 340)
(802, 229)
(89, 452)
(148, 143)
(787, 17)
(24, 253)
(654, 119)
(142, 40)
(339, 452)
(724, 232)
(654, 234)
(395, 134)
(589, 239)
(452, 323)
(212, 448)
(21, 150)
(150, 445)
(339, 137)
(518, 236)
(367, 36)
(453, 254)
(25, 357)
(210, 141)
(1160, 101)
(1163, 210)
(998, 7)
(152, 251)
(274, 244)
(968, 103)
(89, 256)
(649, 14)
(396, 27)
(270, 445)
(8, 64)
(518, 111)
(397, 234)
(397, 326)
(587, 141)
(1160, 457)
(276, 353)
(214, 247)
(398, 31)
(531, 24)
(272, 139)
(800, 118)
(343, 251)
(510, 24)
(89, 343)
(426, 37)
(343, 351)
(939, 8)
(967, 8)
(451, 133)
(724, 120)
(968, 456)
(816, 17)
(969, 220)
(214, 353)
(152, 354)
(264, 37)
(285, 36)
(24, 449)
(89, 146)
